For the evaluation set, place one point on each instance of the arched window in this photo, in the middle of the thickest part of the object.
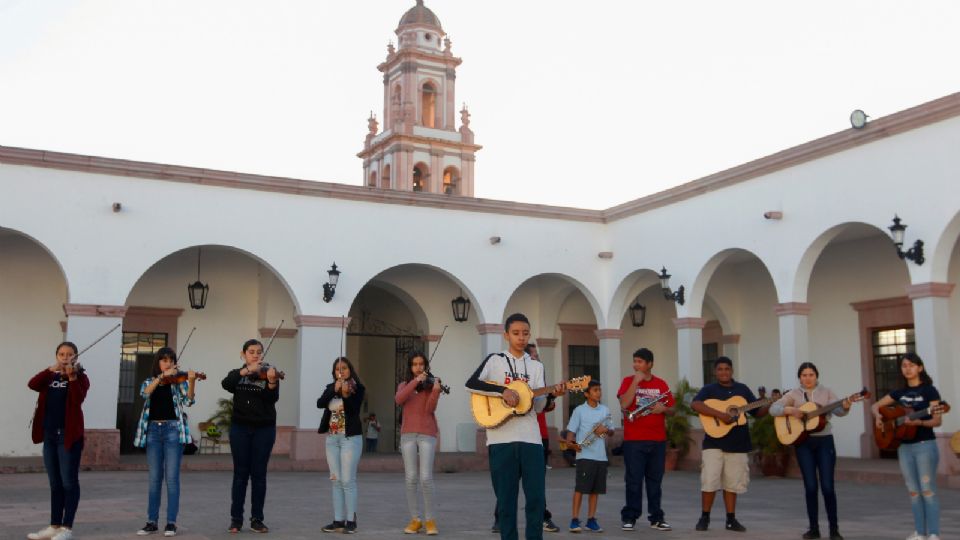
(428, 105)
(373, 179)
(419, 177)
(385, 179)
(451, 181)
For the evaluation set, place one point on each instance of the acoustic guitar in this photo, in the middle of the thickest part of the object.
(736, 406)
(492, 411)
(793, 430)
(894, 430)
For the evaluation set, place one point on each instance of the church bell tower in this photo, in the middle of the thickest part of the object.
(420, 148)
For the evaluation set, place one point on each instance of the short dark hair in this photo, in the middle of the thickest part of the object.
(529, 347)
(164, 352)
(644, 353)
(777, 390)
(722, 360)
(67, 344)
(592, 383)
(516, 317)
(807, 365)
(250, 343)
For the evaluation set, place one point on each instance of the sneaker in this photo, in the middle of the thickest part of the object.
(413, 527)
(336, 526)
(495, 529)
(933, 537)
(734, 525)
(703, 523)
(170, 529)
(63, 534)
(916, 536)
(350, 527)
(47, 532)
(661, 526)
(256, 525)
(431, 527)
(593, 525)
(235, 526)
(549, 467)
(149, 528)
(549, 526)
(811, 534)
(835, 535)
(575, 526)
(628, 524)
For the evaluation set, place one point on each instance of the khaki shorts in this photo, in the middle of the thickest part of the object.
(724, 470)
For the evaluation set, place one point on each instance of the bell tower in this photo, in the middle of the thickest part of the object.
(420, 147)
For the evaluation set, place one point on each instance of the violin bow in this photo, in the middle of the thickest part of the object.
(90, 346)
(185, 343)
(269, 343)
(437, 346)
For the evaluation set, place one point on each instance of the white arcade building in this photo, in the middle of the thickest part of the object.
(784, 259)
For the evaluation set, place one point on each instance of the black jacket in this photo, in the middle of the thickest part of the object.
(351, 409)
(253, 403)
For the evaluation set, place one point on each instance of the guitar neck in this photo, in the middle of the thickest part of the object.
(825, 409)
(914, 416)
(756, 404)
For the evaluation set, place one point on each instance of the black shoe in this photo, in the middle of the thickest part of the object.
(496, 528)
(170, 529)
(235, 526)
(835, 534)
(811, 534)
(336, 526)
(549, 526)
(628, 525)
(703, 523)
(256, 525)
(149, 528)
(350, 528)
(734, 525)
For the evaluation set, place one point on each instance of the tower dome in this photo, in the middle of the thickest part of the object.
(421, 15)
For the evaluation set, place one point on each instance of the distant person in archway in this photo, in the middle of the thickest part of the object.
(373, 432)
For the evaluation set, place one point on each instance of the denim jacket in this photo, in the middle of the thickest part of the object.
(180, 400)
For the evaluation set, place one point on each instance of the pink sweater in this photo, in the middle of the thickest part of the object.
(418, 408)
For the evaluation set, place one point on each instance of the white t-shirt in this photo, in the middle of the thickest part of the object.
(502, 368)
(372, 431)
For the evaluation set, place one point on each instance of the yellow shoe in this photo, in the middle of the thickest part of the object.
(432, 527)
(413, 527)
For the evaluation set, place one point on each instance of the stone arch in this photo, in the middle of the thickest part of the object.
(420, 177)
(5, 231)
(571, 284)
(635, 282)
(942, 253)
(698, 290)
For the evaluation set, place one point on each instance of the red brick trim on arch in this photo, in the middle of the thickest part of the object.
(792, 308)
(547, 343)
(930, 289)
(94, 310)
(689, 322)
(608, 333)
(265, 333)
(489, 328)
(320, 321)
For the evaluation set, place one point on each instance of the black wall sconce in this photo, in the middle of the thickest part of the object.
(638, 313)
(461, 308)
(665, 287)
(915, 253)
(197, 291)
(330, 287)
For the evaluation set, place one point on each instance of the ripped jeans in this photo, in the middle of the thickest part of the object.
(343, 456)
(918, 463)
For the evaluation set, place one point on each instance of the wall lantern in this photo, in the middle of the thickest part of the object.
(665, 286)
(461, 308)
(330, 287)
(197, 291)
(638, 313)
(915, 253)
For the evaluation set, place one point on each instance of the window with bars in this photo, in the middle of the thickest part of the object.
(711, 351)
(135, 344)
(582, 360)
(889, 345)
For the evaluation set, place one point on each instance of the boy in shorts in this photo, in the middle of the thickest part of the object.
(591, 419)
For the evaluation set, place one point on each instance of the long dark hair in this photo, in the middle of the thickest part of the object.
(913, 358)
(66, 344)
(164, 352)
(353, 372)
(409, 376)
(808, 365)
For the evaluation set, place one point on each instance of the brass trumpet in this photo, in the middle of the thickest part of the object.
(592, 436)
(645, 406)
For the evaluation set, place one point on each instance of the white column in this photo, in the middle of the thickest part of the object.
(690, 348)
(731, 346)
(491, 338)
(85, 324)
(931, 322)
(610, 368)
(318, 343)
(794, 340)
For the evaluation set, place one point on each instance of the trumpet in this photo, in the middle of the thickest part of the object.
(592, 436)
(645, 406)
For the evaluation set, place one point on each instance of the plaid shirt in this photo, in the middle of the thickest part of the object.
(180, 400)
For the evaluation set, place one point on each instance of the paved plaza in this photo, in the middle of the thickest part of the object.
(113, 506)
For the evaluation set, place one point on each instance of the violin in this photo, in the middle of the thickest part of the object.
(428, 383)
(181, 377)
(264, 368)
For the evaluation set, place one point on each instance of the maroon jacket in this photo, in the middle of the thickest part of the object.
(76, 393)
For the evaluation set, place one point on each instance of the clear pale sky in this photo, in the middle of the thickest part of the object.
(586, 104)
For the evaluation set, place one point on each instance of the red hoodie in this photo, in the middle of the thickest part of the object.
(76, 393)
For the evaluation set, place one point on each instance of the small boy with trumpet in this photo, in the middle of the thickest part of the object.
(590, 423)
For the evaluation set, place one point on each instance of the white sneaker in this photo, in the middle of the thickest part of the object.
(916, 536)
(63, 534)
(47, 532)
(933, 537)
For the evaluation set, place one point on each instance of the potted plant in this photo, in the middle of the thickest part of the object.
(770, 454)
(223, 415)
(678, 424)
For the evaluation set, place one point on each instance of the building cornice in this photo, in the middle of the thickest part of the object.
(433, 143)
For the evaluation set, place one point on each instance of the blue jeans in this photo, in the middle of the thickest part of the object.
(418, 451)
(818, 454)
(644, 463)
(63, 469)
(918, 463)
(343, 456)
(513, 464)
(251, 447)
(164, 453)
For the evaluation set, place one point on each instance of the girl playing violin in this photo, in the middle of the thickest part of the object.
(341, 422)
(58, 424)
(163, 430)
(418, 438)
(253, 430)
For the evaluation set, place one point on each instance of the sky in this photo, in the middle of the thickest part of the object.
(585, 104)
